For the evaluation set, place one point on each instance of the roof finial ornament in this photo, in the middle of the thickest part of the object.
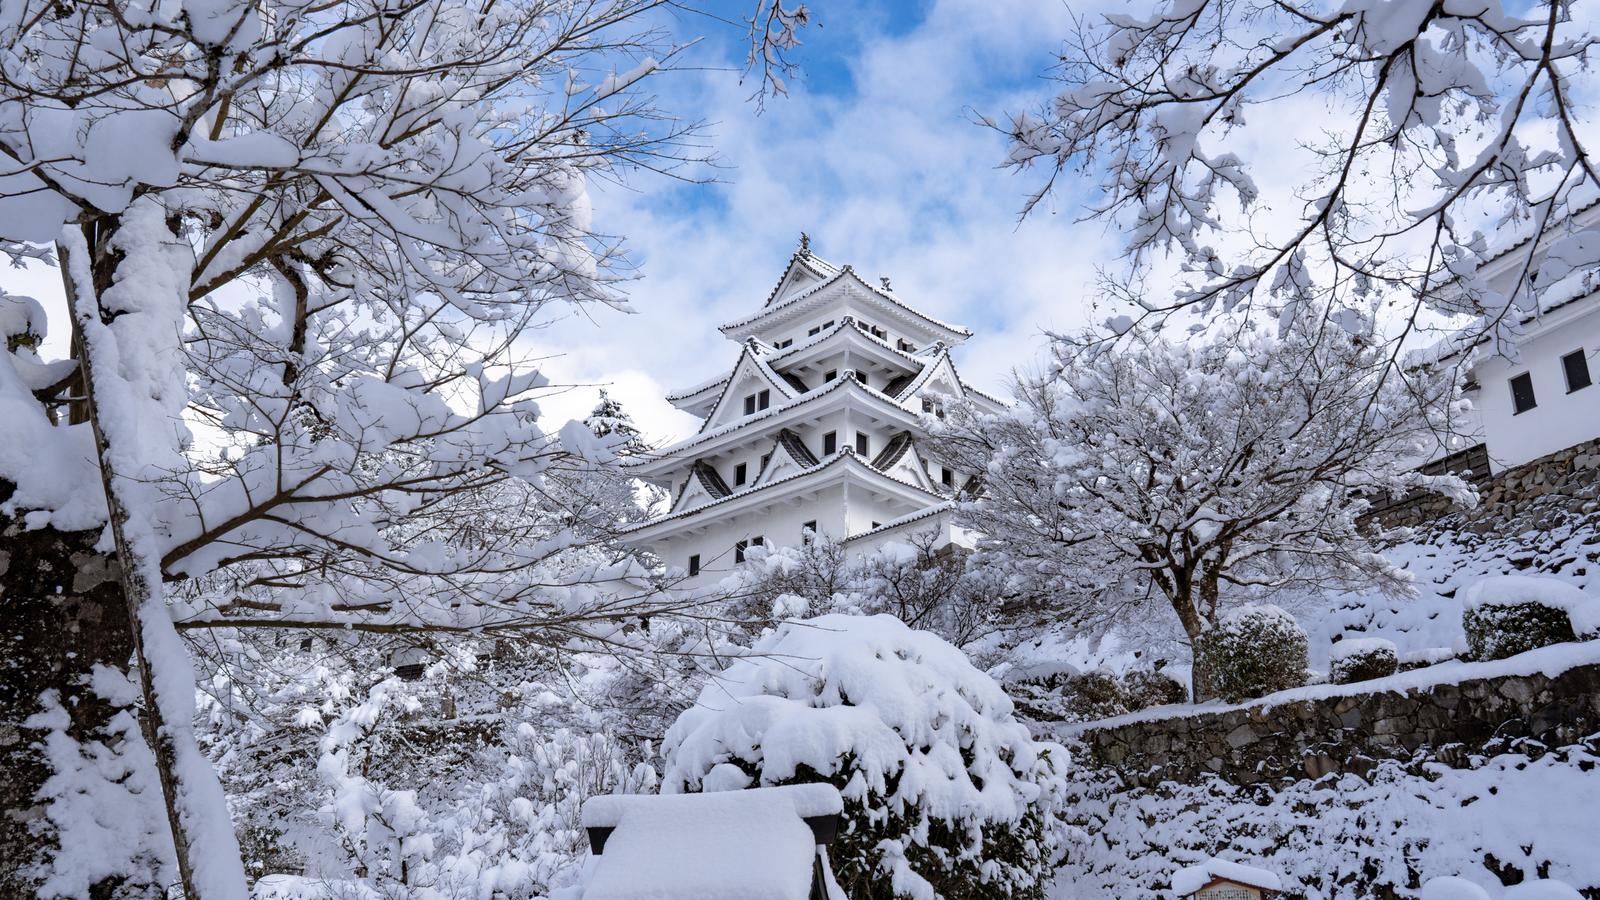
(884, 280)
(805, 244)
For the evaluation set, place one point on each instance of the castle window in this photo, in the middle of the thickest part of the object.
(763, 400)
(814, 332)
(749, 404)
(785, 343)
(740, 472)
(808, 532)
(947, 477)
(927, 405)
(738, 550)
(1577, 369)
(830, 443)
(1522, 398)
(831, 375)
(905, 346)
(694, 565)
(862, 443)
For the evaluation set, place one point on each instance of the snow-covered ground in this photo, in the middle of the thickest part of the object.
(1523, 813)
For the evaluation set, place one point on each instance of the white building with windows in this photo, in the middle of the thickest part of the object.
(1538, 397)
(816, 428)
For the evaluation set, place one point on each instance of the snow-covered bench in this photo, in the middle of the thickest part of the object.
(728, 845)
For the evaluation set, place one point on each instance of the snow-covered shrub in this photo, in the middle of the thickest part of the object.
(1063, 693)
(1509, 614)
(1251, 651)
(946, 794)
(1362, 659)
(1144, 688)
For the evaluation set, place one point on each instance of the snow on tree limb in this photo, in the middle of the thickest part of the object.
(1445, 131)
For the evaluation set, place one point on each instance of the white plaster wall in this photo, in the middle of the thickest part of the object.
(778, 524)
(1561, 419)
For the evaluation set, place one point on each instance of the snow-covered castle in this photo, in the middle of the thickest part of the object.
(817, 429)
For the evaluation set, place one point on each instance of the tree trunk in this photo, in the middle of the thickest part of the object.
(61, 615)
(187, 783)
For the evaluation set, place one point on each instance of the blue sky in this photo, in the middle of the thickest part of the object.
(876, 154)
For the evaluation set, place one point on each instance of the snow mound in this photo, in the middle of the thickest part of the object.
(941, 782)
(1451, 887)
(1352, 647)
(722, 846)
(1543, 889)
(1191, 879)
(1515, 590)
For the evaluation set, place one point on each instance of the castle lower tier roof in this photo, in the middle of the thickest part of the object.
(845, 457)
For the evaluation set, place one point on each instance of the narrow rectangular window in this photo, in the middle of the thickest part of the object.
(947, 477)
(763, 400)
(814, 332)
(1522, 398)
(738, 551)
(905, 346)
(694, 565)
(826, 325)
(831, 375)
(830, 443)
(750, 404)
(927, 405)
(862, 443)
(783, 344)
(808, 532)
(740, 472)
(757, 541)
(765, 458)
(1577, 369)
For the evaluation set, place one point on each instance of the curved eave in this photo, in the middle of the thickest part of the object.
(803, 301)
(763, 425)
(844, 464)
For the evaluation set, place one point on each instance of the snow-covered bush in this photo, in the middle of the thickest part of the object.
(1362, 659)
(1144, 688)
(1251, 651)
(946, 794)
(1509, 614)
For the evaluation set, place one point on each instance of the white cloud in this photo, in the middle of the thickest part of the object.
(894, 178)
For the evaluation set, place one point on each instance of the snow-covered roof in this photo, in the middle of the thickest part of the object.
(827, 463)
(772, 310)
(676, 451)
(907, 519)
(727, 845)
(1192, 879)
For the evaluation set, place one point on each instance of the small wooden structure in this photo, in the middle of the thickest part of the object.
(760, 842)
(1219, 879)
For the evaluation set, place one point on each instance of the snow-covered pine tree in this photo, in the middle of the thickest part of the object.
(1190, 475)
(608, 418)
(299, 244)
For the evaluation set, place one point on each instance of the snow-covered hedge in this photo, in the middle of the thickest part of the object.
(1509, 614)
(1061, 693)
(1251, 651)
(1362, 659)
(946, 794)
(1146, 688)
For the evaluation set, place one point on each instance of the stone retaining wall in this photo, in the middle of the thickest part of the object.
(1269, 742)
(1564, 483)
